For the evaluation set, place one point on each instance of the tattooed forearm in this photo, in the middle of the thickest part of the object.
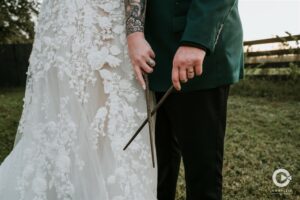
(135, 11)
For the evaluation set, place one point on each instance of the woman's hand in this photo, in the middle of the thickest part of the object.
(141, 56)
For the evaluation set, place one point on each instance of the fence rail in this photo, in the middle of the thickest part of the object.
(273, 40)
(274, 52)
(275, 62)
(273, 59)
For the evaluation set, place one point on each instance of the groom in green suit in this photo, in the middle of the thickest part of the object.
(196, 45)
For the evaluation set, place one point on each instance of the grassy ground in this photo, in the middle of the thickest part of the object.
(10, 112)
(263, 134)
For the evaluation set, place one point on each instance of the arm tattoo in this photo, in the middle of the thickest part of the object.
(135, 11)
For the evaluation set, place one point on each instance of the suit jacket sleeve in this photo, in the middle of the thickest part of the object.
(205, 20)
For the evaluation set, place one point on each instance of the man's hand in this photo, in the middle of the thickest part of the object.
(187, 61)
(141, 56)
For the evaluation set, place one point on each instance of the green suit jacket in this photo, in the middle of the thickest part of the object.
(212, 24)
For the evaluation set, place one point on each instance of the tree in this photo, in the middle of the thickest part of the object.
(16, 20)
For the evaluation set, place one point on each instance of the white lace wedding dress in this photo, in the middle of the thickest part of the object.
(82, 103)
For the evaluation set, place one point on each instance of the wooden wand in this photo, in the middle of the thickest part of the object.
(150, 114)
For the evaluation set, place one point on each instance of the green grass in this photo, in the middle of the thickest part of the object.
(263, 134)
(10, 111)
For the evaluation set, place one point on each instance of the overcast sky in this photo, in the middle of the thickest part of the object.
(267, 18)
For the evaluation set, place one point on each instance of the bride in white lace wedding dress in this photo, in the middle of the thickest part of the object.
(82, 103)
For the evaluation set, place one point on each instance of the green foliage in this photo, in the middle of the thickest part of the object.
(16, 21)
(284, 89)
(294, 75)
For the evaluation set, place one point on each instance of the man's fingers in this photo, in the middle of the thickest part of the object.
(198, 69)
(190, 72)
(175, 78)
(139, 76)
(182, 75)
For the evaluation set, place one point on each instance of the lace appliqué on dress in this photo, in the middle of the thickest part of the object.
(83, 41)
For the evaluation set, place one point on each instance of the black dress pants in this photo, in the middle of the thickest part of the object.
(191, 125)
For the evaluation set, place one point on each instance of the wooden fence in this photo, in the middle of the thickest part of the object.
(284, 60)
